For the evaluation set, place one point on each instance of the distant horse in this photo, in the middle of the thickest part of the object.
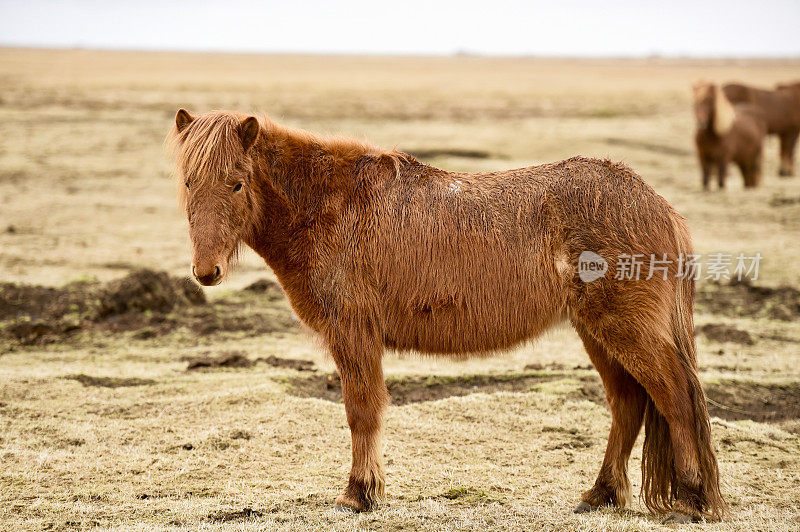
(727, 133)
(376, 250)
(781, 110)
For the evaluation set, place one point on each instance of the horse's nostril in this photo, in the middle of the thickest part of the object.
(207, 277)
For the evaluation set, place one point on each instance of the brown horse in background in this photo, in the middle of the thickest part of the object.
(377, 250)
(781, 110)
(727, 133)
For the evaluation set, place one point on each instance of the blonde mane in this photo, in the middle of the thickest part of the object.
(723, 113)
(209, 146)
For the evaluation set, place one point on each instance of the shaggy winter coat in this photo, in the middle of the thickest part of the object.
(780, 109)
(727, 133)
(378, 250)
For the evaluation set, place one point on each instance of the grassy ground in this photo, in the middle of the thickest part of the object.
(104, 424)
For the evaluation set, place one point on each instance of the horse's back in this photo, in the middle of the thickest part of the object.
(477, 262)
(780, 108)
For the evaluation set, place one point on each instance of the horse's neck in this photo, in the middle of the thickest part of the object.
(283, 212)
(292, 169)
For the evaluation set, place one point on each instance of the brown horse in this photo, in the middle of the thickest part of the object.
(781, 110)
(727, 133)
(376, 250)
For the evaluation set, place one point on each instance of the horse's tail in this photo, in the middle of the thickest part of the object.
(659, 483)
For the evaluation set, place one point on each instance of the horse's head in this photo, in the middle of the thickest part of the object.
(712, 108)
(213, 164)
(703, 103)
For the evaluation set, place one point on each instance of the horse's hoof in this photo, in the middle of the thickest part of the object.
(348, 504)
(584, 508)
(677, 518)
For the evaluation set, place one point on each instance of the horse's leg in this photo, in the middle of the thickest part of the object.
(671, 463)
(365, 398)
(706, 167)
(626, 399)
(747, 174)
(679, 467)
(756, 167)
(722, 173)
(664, 377)
(788, 143)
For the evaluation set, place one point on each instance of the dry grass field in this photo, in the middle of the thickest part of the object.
(130, 400)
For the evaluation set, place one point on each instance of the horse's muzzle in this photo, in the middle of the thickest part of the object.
(209, 278)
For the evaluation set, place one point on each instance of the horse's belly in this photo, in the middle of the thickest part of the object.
(460, 327)
(471, 293)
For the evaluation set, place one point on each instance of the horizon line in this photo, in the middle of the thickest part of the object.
(465, 53)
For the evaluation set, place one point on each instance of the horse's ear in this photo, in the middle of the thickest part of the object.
(248, 131)
(182, 119)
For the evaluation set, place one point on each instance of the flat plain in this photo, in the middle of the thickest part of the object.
(128, 399)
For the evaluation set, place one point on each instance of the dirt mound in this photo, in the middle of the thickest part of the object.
(146, 290)
(719, 332)
(17, 301)
(36, 314)
(742, 298)
(146, 303)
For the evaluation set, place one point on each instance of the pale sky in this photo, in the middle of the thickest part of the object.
(570, 27)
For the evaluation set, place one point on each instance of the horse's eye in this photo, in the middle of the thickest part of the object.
(187, 185)
(238, 187)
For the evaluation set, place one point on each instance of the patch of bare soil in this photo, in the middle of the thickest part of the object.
(417, 389)
(743, 298)
(720, 332)
(213, 321)
(234, 359)
(783, 201)
(731, 400)
(469, 496)
(648, 146)
(237, 359)
(109, 382)
(432, 153)
(234, 515)
(735, 400)
(292, 363)
(573, 438)
(146, 302)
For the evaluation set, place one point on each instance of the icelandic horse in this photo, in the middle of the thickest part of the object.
(780, 109)
(727, 133)
(375, 249)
